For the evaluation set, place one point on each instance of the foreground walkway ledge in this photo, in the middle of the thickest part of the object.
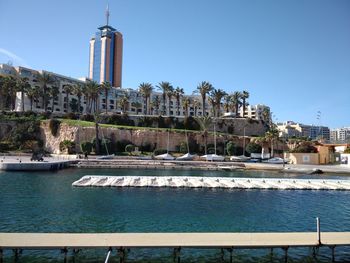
(121, 241)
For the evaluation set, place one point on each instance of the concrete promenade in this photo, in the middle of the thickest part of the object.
(24, 163)
(134, 163)
(122, 241)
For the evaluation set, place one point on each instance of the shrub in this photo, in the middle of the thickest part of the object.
(147, 121)
(211, 150)
(183, 147)
(54, 125)
(86, 147)
(304, 147)
(87, 117)
(253, 147)
(4, 146)
(159, 151)
(120, 145)
(230, 129)
(120, 120)
(347, 150)
(71, 116)
(191, 124)
(129, 148)
(231, 148)
(146, 147)
(68, 146)
(22, 132)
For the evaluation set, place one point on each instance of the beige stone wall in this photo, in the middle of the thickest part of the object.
(137, 137)
(52, 143)
(303, 158)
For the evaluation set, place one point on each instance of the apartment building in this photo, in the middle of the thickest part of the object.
(340, 134)
(292, 129)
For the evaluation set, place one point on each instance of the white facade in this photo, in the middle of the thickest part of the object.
(340, 135)
(291, 129)
(136, 103)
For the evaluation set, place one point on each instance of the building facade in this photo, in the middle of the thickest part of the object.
(119, 100)
(340, 134)
(106, 55)
(292, 129)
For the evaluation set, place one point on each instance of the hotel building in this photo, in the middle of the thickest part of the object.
(106, 55)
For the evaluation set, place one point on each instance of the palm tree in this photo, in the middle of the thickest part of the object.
(204, 123)
(236, 101)
(169, 93)
(45, 80)
(67, 89)
(227, 103)
(217, 95)
(124, 103)
(186, 104)
(165, 87)
(266, 114)
(106, 86)
(156, 103)
(92, 92)
(271, 136)
(146, 91)
(23, 86)
(179, 92)
(196, 105)
(212, 102)
(204, 88)
(33, 93)
(137, 105)
(8, 92)
(78, 91)
(53, 94)
(245, 96)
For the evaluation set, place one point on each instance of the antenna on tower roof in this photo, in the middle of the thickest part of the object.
(107, 13)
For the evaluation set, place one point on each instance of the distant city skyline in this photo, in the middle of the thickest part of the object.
(291, 56)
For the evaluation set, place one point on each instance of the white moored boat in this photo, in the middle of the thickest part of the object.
(241, 158)
(165, 156)
(213, 157)
(186, 157)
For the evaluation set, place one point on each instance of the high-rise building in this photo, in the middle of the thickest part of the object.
(106, 55)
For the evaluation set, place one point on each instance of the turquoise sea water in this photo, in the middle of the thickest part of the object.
(46, 202)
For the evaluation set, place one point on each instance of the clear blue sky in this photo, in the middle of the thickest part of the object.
(292, 55)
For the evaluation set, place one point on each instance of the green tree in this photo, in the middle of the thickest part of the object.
(78, 91)
(196, 105)
(245, 96)
(45, 80)
(67, 89)
(204, 88)
(53, 94)
(179, 92)
(124, 103)
(92, 91)
(186, 102)
(137, 105)
(217, 95)
(156, 103)
(23, 87)
(33, 94)
(204, 124)
(236, 101)
(146, 91)
(166, 88)
(253, 148)
(86, 147)
(106, 86)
